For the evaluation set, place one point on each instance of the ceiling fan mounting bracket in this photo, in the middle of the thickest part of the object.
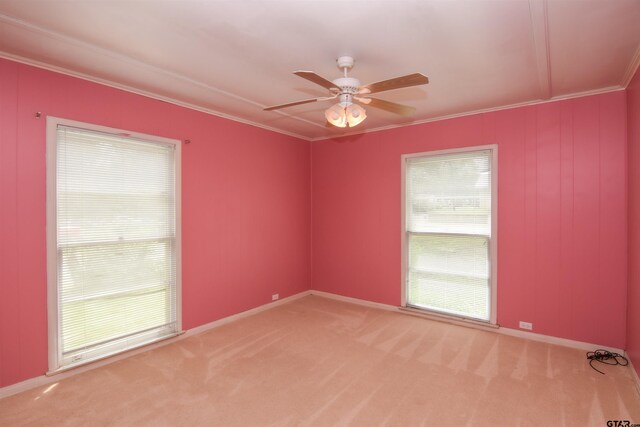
(345, 62)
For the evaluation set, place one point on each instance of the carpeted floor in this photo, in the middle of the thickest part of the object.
(321, 362)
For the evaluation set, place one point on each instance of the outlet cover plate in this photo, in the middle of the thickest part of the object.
(526, 325)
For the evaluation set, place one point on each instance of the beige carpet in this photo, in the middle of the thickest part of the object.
(321, 362)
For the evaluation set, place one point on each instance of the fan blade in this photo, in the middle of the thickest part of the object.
(365, 101)
(319, 80)
(392, 107)
(414, 79)
(304, 101)
(291, 104)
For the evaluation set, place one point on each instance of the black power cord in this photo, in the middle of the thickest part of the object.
(606, 357)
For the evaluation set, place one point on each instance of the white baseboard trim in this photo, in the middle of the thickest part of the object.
(634, 373)
(55, 377)
(565, 342)
(354, 300)
(580, 345)
(217, 323)
(44, 379)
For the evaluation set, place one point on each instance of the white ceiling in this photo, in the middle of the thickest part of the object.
(233, 57)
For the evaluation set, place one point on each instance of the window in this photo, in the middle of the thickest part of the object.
(113, 241)
(449, 232)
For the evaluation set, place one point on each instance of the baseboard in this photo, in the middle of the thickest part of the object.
(565, 342)
(44, 379)
(241, 315)
(634, 373)
(354, 300)
(55, 377)
(580, 345)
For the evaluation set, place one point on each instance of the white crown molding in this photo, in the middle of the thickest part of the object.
(541, 43)
(114, 55)
(480, 111)
(144, 93)
(195, 107)
(138, 64)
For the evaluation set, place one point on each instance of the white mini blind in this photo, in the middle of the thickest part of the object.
(116, 243)
(450, 193)
(448, 226)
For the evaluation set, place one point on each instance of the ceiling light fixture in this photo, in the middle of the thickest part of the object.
(349, 90)
(345, 113)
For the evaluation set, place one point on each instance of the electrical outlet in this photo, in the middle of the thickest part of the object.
(275, 297)
(526, 325)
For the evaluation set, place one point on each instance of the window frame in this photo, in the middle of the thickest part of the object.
(53, 317)
(493, 239)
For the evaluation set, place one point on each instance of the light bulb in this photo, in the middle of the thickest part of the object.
(355, 115)
(336, 116)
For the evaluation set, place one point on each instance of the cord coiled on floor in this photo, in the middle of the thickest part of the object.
(606, 357)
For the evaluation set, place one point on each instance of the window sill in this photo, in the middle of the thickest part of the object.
(456, 320)
(114, 356)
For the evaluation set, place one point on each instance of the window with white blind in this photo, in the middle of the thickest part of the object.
(449, 232)
(113, 240)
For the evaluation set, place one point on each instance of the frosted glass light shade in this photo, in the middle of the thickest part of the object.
(355, 115)
(336, 116)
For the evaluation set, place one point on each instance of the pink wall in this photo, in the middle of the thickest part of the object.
(247, 210)
(562, 213)
(633, 296)
(246, 206)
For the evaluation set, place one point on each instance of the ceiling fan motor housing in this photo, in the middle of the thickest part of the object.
(347, 84)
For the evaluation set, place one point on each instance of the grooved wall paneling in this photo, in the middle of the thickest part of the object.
(562, 245)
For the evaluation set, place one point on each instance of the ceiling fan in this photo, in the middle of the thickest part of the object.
(349, 89)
